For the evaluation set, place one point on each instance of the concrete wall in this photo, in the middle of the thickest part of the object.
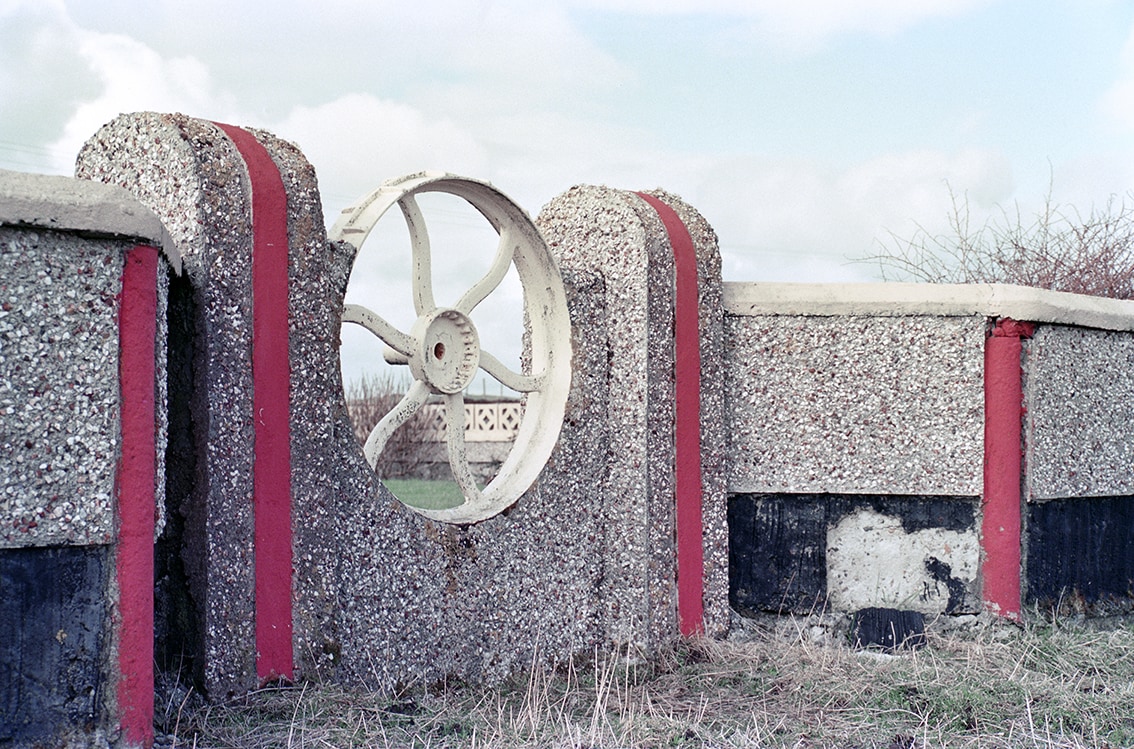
(861, 463)
(82, 448)
(1079, 481)
(380, 594)
(841, 439)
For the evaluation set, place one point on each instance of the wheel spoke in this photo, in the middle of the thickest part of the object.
(509, 378)
(458, 457)
(422, 270)
(391, 336)
(505, 251)
(443, 350)
(410, 404)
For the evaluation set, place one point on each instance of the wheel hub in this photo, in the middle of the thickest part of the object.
(448, 350)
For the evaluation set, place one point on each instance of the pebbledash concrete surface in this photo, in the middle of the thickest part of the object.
(62, 272)
(860, 458)
(725, 448)
(381, 594)
(82, 437)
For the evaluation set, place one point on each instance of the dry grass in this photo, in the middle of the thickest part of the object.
(789, 685)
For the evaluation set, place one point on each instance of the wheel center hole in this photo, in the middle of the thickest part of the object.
(438, 350)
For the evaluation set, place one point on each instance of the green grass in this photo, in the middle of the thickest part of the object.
(775, 683)
(428, 495)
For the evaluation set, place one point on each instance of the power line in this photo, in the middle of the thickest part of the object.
(18, 155)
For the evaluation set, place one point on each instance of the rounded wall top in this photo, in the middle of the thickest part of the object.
(67, 204)
(928, 300)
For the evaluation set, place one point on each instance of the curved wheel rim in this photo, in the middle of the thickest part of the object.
(545, 374)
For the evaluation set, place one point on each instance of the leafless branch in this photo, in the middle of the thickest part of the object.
(368, 400)
(1060, 248)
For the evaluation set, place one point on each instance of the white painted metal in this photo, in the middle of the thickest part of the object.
(443, 348)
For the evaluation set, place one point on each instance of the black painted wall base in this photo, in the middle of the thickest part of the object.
(52, 622)
(778, 542)
(1080, 555)
(889, 630)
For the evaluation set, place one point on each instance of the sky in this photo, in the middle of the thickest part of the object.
(808, 133)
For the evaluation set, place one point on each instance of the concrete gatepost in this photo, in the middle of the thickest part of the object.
(642, 266)
(253, 338)
(83, 292)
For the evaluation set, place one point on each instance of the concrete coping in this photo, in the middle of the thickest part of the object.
(79, 205)
(928, 300)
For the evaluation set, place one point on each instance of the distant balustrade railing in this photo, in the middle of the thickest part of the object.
(494, 421)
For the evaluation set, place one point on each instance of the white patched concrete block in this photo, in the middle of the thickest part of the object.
(873, 561)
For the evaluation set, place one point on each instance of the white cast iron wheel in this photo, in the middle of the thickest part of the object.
(443, 350)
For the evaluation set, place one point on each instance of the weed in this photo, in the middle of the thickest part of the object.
(1062, 684)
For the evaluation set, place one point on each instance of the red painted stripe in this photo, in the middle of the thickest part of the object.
(687, 386)
(1003, 465)
(271, 383)
(137, 466)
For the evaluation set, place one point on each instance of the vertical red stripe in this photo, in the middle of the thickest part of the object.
(687, 386)
(137, 465)
(1003, 465)
(271, 383)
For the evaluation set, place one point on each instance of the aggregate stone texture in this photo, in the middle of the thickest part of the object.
(585, 558)
(621, 236)
(1080, 404)
(190, 174)
(189, 168)
(59, 416)
(714, 452)
(422, 600)
(383, 596)
(855, 404)
(609, 231)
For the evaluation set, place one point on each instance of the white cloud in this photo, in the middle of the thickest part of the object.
(9, 8)
(535, 48)
(795, 220)
(136, 78)
(60, 82)
(358, 141)
(899, 187)
(537, 155)
(1091, 178)
(516, 99)
(40, 74)
(804, 23)
(1118, 104)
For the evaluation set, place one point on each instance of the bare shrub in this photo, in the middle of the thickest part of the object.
(368, 400)
(1059, 248)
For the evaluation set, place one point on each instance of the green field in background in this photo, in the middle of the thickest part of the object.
(428, 495)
